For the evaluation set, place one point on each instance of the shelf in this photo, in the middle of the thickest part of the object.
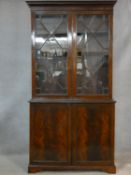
(94, 33)
(96, 53)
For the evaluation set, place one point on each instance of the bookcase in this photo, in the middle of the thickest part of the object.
(72, 112)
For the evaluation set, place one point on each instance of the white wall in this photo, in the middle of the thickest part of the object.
(15, 75)
(122, 73)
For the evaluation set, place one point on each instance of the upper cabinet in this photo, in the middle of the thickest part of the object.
(72, 50)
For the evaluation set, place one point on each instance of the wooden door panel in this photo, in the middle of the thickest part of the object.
(50, 137)
(92, 132)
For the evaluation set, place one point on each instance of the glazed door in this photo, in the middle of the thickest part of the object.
(92, 60)
(51, 54)
(50, 133)
(92, 133)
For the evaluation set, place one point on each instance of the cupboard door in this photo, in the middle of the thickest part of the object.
(51, 47)
(50, 133)
(92, 63)
(92, 132)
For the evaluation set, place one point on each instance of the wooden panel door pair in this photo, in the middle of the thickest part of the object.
(72, 134)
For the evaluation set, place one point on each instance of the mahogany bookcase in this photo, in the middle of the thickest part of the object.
(72, 111)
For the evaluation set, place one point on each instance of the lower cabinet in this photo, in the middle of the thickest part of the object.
(72, 136)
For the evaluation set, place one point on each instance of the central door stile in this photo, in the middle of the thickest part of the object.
(70, 55)
(74, 54)
(70, 133)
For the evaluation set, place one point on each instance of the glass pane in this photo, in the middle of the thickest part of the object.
(92, 55)
(51, 54)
